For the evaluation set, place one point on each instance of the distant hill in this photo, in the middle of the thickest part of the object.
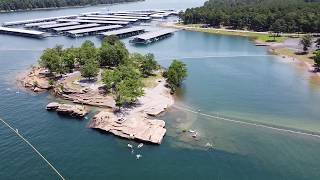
(8, 5)
(258, 15)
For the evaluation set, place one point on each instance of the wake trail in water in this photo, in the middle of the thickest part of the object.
(26, 141)
(247, 123)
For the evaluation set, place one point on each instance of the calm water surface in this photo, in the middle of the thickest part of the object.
(228, 76)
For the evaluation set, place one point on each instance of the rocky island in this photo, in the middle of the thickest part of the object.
(132, 89)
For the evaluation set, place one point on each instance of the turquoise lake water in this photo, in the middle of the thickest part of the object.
(228, 76)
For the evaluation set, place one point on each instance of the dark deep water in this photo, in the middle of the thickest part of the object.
(228, 76)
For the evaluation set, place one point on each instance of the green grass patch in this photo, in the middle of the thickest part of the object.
(151, 81)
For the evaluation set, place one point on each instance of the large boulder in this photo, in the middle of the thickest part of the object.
(68, 109)
(136, 127)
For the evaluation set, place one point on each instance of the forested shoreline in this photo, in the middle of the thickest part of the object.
(14, 5)
(258, 15)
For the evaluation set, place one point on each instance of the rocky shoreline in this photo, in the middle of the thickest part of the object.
(135, 123)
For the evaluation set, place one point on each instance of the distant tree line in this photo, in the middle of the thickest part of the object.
(8, 5)
(258, 15)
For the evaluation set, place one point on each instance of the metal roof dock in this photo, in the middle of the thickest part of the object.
(127, 32)
(108, 19)
(89, 31)
(22, 32)
(50, 26)
(153, 36)
(13, 23)
(31, 25)
(93, 21)
(122, 17)
(82, 26)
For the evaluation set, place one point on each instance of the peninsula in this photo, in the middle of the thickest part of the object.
(131, 89)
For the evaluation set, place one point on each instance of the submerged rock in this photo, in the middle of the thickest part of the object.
(132, 127)
(68, 109)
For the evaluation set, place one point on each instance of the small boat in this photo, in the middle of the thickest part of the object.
(138, 156)
(194, 135)
(191, 131)
(130, 146)
(140, 145)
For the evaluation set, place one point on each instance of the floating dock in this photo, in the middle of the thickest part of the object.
(34, 25)
(109, 19)
(69, 28)
(122, 33)
(14, 23)
(22, 32)
(153, 36)
(50, 26)
(93, 21)
(122, 17)
(90, 31)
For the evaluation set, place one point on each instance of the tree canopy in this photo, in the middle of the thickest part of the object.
(8, 5)
(306, 42)
(258, 15)
(175, 74)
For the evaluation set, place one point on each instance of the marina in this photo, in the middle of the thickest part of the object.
(93, 21)
(34, 25)
(14, 23)
(82, 26)
(122, 17)
(50, 26)
(22, 32)
(91, 31)
(153, 36)
(122, 33)
(109, 19)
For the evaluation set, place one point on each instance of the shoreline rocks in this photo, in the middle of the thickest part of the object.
(68, 109)
(136, 128)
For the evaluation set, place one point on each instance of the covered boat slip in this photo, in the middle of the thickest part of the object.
(152, 36)
(82, 26)
(50, 26)
(93, 21)
(91, 31)
(108, 19)
(22, 32)
(122, 17)
(122, 33)
(13, 23)
(34, 25)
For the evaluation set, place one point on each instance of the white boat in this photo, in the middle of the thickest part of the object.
(130, 146)
(140, 145)
(138, 156)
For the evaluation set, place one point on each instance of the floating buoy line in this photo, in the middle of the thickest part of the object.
(16, 131)
(246, 123)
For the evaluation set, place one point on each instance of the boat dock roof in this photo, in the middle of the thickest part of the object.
(30, 25)
(121, 17)
(122, 31)
(75, 33)
(50, 26)
(108, 19)
(93, 21)
(82, 26)
(22, 32)
(155, 34)
(12, 23)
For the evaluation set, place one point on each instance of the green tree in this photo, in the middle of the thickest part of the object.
(176, 73)
(317, 61)
(112, 52)
(90, 69)
(86, 52)
(68, 59)
(318, 43)
(306, 42)
(128, 91)
(277, 27)
(51, 59)
(146, 63)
